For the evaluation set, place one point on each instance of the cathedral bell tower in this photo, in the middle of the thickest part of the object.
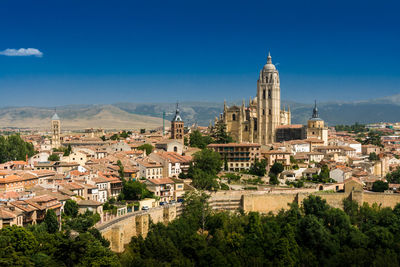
(268, 103)
(177, 125)
(56, 131)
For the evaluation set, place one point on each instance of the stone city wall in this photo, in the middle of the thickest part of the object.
(121, 230)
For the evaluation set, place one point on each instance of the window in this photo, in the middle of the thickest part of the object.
(233, 117)
(263, 111)
(264, 94)
(175, 149)
(269, 94)
(270, 112)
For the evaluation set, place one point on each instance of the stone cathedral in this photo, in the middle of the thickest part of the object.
(257, 122)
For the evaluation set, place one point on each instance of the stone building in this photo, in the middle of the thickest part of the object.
(257, 122)
(56, 131)
(177, 125)
(316, 127)
(237, 156)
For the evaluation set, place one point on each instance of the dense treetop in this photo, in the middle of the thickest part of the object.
(14, 148)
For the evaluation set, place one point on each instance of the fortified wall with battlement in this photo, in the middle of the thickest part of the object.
(120, 231)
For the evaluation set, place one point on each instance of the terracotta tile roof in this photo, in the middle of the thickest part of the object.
(7, 214)
(174, 157)
(149, 164)
(89, 202)
(353, 179)
(161, 181)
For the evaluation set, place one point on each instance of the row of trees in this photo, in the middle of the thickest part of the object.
(45, 245)
(13, 147)
(314, 234)
(123, 135)
(355, 128)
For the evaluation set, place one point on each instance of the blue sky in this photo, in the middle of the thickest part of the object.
(163, 51)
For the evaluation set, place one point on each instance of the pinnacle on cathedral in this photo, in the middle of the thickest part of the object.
(315, 111)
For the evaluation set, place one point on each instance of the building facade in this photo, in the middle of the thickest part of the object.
(237, 156)
(257, 122)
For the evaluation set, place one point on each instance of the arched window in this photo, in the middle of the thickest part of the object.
(233, 117)
(264, 94)
(269, 94)
(175, 149)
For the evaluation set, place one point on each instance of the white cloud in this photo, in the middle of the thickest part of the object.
(22, 52)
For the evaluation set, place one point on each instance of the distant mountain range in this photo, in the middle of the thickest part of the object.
(149, 115)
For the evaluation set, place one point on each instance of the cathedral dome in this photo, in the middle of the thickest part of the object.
(269, 66)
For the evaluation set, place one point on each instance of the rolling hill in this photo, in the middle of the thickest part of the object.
(149, 115)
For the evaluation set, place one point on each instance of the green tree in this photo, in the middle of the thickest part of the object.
(114, 137)
(204, 180)
(134, 190)
(273, 179)
(258, 168)
(315, 205)
(394, 177)
(146, 147)
(220, 135)
(276, 168)
(373, 138)
(103, 138)
(121, 170)
(324, 174)
(380, 186)
(208, 161)
(71, 208)
(68, 151)
(14, 147)
(196, 139)
(373, 156)
(196, 208)
(54, 157)
(51, 221)
(18, 239)
(124, 134)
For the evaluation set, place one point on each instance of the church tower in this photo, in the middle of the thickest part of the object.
(268, 103)
(56, 131)
(316, 127)
(177, 125)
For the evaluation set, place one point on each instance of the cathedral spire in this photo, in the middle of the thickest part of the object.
(177, 113)
(315, 110)
(269, 58)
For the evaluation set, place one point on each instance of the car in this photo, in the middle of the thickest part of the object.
(180, 200)
(162, 203)
(172, 201)
(145, 208)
